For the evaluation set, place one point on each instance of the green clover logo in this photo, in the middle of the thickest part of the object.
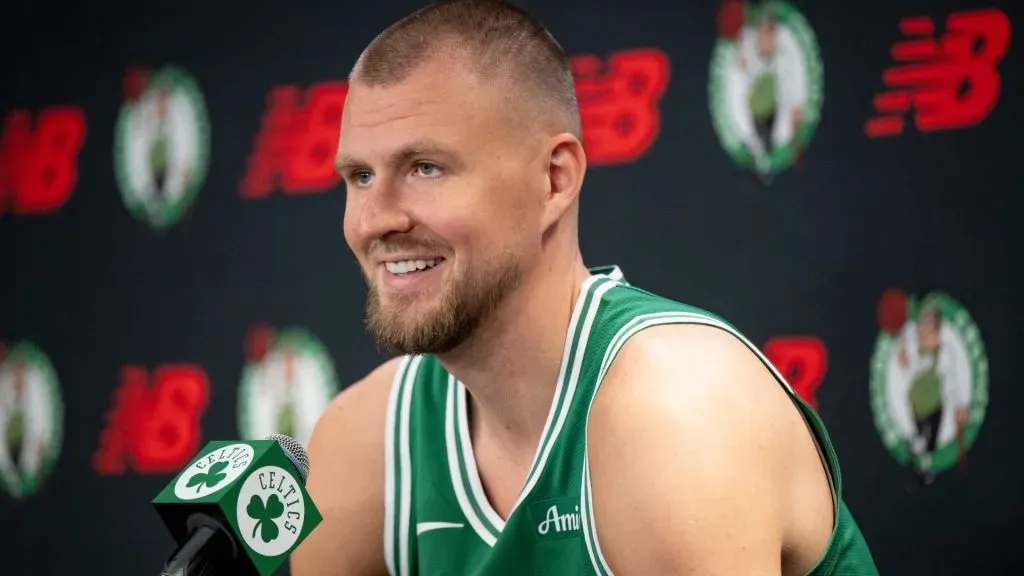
(264, 516)
(210, 478)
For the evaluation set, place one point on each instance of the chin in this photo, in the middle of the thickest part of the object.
(402, 304)
(403, 311)
(401, 335)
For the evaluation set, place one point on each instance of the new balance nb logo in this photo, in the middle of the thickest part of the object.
(294, 151)
(951, 82)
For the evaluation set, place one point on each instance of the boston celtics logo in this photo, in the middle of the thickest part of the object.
(31, 419)
(766, 87)
(271, 509)
(161, 146)
(214, 471)
(287, 383)
(929, 381)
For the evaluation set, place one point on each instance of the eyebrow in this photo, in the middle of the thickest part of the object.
(345, 163)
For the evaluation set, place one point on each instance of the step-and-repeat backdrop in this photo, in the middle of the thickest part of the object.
(840, 179)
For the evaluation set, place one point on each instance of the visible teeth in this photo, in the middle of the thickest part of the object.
(406, 266)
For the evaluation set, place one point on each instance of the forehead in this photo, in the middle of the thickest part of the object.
(441, 101)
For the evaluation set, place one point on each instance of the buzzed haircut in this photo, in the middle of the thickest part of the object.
(499, 41)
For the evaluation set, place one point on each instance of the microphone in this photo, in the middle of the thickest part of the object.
(239, 508)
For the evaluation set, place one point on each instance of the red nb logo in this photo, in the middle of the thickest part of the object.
(154, 424)
(295, 148)
(802, 360)
(952, 82)
(39, 163)
(620, 103)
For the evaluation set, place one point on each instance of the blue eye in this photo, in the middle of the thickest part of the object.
(362, 178)
(428, 170)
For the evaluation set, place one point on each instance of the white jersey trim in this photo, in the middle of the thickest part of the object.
(454, 469)
(563, 408)
(398, 478)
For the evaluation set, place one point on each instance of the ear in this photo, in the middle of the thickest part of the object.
(567, 166)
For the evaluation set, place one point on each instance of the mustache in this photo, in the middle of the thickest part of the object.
(406, 243)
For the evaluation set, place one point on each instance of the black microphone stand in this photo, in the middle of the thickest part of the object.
(207, 551)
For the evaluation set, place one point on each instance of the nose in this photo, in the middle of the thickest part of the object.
(383, 212)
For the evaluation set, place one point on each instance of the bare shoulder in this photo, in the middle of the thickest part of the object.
(690, 451)
(346, 481)
(690, 370)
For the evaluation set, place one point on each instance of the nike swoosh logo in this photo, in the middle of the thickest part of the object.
(422, 527)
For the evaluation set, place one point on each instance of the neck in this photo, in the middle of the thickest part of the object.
(511, 365)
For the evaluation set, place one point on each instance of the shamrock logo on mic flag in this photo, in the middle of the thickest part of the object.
(273, 510)
(264, 515)
(210, 478)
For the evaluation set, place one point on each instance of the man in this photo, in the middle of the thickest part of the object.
(24, 422)
(540, 418)
(771, 77)
(933, 388)
(159, 148)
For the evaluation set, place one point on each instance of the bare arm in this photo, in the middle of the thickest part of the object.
(346, 481)
(691, 449)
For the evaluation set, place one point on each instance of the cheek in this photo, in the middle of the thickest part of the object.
(511, 225)
(471, 232)
(524, 221)
(350, 227)
(464, 231)
(480, 218)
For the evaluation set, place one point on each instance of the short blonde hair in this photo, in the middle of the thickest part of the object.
(499, 41)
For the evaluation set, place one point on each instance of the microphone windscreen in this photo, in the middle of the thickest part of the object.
(295, 452)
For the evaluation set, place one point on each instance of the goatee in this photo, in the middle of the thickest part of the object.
(464, 306)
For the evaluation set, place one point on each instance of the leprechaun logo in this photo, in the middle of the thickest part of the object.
(766, 85)
(161, 145)
(31, 419)
(929, 381)
(287, 383)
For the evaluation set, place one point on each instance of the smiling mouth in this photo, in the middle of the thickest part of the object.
(407, 267)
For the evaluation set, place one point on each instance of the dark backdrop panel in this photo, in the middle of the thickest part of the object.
(808, 254)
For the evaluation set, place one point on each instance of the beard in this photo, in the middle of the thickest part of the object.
(465, 304)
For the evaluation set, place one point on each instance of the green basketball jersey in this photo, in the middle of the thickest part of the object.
(437, 517)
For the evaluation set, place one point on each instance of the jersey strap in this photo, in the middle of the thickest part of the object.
(631, 310)
(611, 271)
(398, 473)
